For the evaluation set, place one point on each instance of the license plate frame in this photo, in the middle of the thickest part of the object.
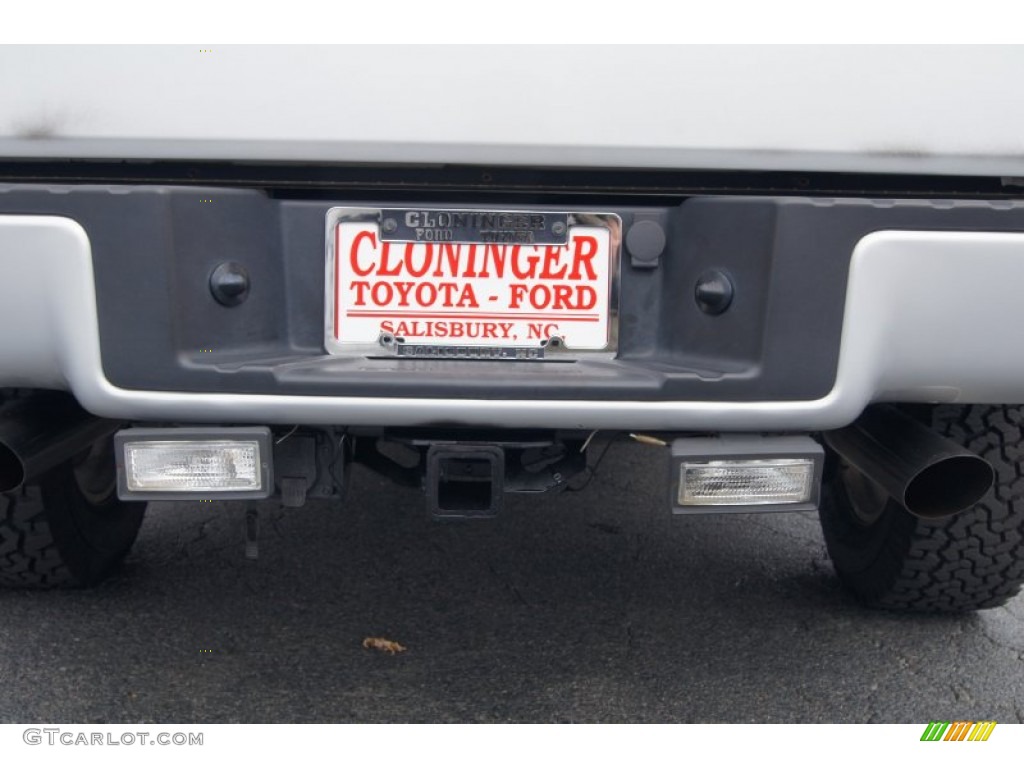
(584, 323)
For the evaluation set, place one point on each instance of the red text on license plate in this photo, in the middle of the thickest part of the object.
(471, 294)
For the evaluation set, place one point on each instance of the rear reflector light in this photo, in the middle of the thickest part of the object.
(194, 463)
(734, 483)
(191, 465)
(746, 473)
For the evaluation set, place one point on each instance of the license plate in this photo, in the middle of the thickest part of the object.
(470, 283)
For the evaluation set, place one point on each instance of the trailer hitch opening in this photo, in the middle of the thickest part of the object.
(465, 480)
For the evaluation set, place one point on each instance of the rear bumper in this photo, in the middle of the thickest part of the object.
(921, 315)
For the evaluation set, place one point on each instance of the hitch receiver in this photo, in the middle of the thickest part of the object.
(465, 481)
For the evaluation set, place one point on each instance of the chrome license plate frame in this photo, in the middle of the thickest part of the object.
(471, 284)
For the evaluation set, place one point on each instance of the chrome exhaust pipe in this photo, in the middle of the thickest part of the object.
(931, 476)
(39, 432)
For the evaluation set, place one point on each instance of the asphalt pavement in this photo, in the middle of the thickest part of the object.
(595, 606)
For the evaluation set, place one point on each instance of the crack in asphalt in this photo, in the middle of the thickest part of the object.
(999, 643)
(638, 548)
(508, 584)
(199, 537)
(961, 693)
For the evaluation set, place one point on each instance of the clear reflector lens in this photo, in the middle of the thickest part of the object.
(192, 465)
(735, 483)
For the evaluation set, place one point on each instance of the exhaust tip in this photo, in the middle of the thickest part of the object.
(948, 486)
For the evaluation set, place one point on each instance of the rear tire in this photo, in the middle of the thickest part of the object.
(971, 560)
(68, 528)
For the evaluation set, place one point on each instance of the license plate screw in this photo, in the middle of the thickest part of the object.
(389, 225)
(558, 228)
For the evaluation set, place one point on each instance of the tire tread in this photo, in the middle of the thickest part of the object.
(28, 552)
